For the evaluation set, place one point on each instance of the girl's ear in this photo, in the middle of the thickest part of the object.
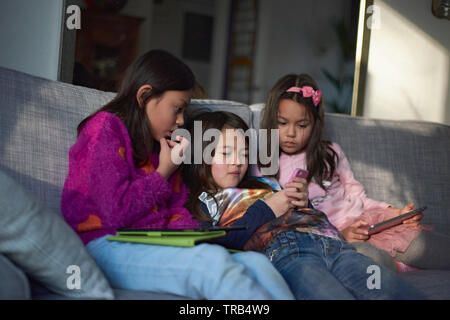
(141, 92)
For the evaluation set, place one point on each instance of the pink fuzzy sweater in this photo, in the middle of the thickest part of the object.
(104, 191)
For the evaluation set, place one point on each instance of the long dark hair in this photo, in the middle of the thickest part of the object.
(163, 72)
(321, 159)
(198, 177)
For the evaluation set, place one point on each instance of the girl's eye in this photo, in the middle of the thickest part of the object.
(281, 123)
(178, 109)
(303, 126)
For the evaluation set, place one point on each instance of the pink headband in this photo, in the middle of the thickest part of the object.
(307, 93)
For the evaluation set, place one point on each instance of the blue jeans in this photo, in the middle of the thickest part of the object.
(205, 271)
(319, 267)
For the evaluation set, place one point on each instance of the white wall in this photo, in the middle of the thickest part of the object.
(297, 37)
(30, 34)
(409, 66)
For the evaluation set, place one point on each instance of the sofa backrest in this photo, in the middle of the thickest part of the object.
(38, 126)
(397, 161)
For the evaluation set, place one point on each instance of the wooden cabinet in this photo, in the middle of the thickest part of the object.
(106, 45)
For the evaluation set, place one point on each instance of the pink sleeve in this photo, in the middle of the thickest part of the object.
(351, 185)
(121, 196)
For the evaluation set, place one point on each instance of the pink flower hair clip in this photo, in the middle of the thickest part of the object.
(308, 92)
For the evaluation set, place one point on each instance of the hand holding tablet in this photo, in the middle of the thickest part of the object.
(375, 228)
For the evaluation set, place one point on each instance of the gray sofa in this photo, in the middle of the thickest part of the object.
(397, 162)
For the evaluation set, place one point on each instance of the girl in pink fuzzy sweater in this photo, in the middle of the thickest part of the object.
(294, 106)
(123, 174)
(105, 191)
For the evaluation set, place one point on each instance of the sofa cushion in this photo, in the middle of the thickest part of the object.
(257, 113)
(40, 293)
(45, 247)
(434, 284)
(240, 109)
(37, 128)
(15, 284)
(398, 161)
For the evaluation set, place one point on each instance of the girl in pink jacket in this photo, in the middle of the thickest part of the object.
(294, 106)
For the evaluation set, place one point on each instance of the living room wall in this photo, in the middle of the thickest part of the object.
(30, 33)
(408, 74)
(300, 37)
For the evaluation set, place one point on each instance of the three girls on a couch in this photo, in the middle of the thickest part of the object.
(121, 175)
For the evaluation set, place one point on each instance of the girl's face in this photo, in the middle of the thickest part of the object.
(230, 161)
(295, 126)
(165, 113)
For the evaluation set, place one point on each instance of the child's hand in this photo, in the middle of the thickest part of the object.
(279, 202)
(294, 195)
(413, 222)
(178, 149)
(297, 190)
(166, 166)
(356, 232)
